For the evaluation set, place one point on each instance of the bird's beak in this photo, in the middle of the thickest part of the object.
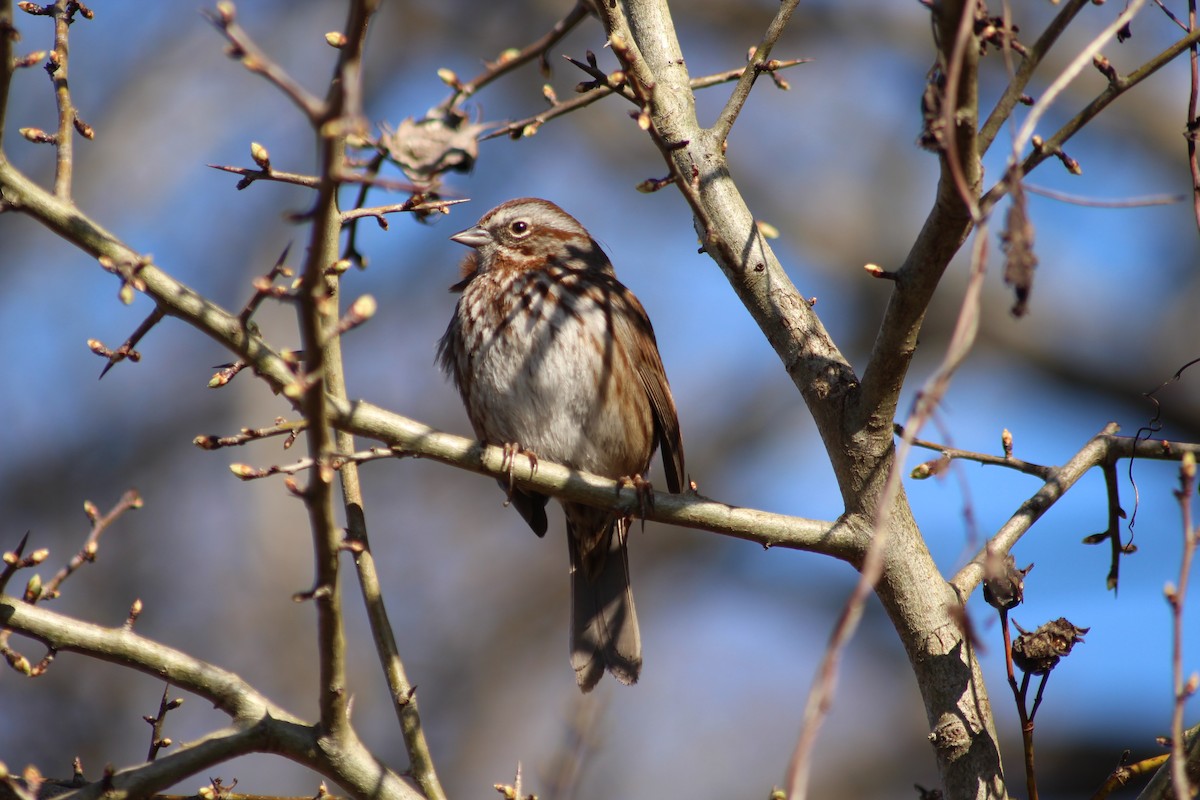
(472, 237)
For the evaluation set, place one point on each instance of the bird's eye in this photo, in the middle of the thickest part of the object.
(519, 228)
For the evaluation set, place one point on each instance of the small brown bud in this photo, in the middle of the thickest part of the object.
(37, 135)
(85, 130)
(260, 155)
(33, 589)
(29, 60)
(243, 471)
(364, 307)
(768, 230)
(335, 39)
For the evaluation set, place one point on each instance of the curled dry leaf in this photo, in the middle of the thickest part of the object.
(424, 149)
(1003, 582)
(1039, 652)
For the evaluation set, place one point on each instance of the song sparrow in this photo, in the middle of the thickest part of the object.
(552, 354)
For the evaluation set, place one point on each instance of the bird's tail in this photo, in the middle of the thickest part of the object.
(604, 627)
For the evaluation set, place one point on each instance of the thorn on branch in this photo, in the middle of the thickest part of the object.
(126, 351)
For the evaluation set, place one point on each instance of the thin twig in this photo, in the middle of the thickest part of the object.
(1069, 73)
(126, 349)
(8, 38)
(1125, 772)
(1193, 122)
(508, 61)
(1177, 599)
(1027, 467)
(158, 721)
(416, 203)
(280, 428)
(243, 48)
(64, 161)
(335, 461)
(265, 286)
(129, 501)
(249, 176)
(530, 125)
(1091, 202)
(1033, 58)
(966, 46)
(741, 92)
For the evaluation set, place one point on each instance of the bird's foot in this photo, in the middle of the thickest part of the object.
(645, 493)
(508, 463)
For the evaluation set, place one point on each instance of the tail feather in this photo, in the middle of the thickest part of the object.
(604, 627)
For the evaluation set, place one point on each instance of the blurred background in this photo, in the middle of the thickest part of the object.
(732, 633)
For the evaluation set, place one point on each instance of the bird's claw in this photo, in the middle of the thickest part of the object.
(645, 493)
(508, 464)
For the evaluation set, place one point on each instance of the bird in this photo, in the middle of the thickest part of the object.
(555, 357)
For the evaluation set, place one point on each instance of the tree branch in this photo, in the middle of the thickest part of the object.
(259, 724)
(741, 91)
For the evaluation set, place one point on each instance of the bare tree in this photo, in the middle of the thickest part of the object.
(867, 420)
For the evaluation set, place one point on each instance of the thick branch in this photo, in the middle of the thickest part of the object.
(259, 725)
(945, 229)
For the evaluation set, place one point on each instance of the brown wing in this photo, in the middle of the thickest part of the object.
(654, 380)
